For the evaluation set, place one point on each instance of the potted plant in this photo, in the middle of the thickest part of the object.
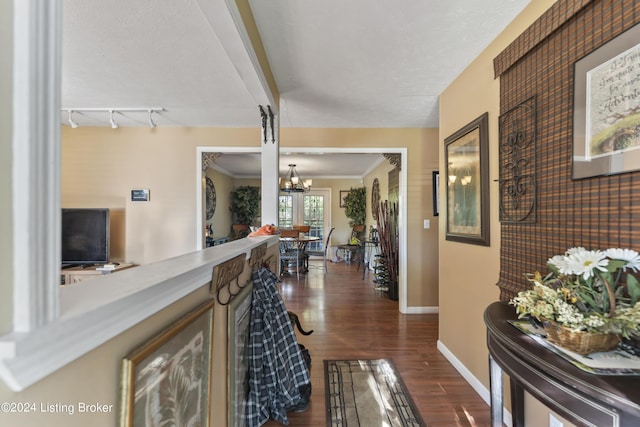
(355, 204)
(245, 206)
(589, 299)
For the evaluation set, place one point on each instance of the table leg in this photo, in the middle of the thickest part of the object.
(517, 404)
(495, 384)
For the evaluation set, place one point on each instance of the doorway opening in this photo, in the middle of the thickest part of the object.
(315, 151)
(312, 208)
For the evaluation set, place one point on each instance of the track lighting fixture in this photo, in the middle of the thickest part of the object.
(152, 124)
(71, 122)
(114, 125)
(126, 114)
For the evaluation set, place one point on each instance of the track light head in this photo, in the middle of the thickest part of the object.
(114, 125)
(71, 122)
(123, 111)
(152, 124)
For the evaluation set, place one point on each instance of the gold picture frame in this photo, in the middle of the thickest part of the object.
(467, 175)
(239, 317)
(168, 379)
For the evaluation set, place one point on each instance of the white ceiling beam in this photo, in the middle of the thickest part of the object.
(226, 22)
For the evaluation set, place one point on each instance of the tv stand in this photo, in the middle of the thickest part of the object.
(81, 265)
(77, 273)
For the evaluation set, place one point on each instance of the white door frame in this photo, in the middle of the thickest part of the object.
(402, 217)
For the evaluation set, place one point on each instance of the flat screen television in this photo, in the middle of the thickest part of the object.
(85, 236)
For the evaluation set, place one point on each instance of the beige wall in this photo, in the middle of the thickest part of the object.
(100, 166)
(465, 292)
(339, 218)
(6, 127)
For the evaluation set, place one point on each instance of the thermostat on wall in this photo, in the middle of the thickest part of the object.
(140, 195)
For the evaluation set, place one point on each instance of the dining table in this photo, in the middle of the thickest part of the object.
(300, 244)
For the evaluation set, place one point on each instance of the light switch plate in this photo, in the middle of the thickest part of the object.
(427, 224)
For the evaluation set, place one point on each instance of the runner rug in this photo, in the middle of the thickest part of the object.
(367, 393)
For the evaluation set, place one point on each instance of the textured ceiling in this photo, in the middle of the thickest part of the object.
(356, 63)
(337, 64)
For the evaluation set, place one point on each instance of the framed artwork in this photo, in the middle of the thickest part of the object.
(167, 380)
(436, 192)
(343, 194)
(238, 323)
(606, 108)
(467, 171)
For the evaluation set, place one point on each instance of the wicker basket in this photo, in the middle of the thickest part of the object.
(580, 342)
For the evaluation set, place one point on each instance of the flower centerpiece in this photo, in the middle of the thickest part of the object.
(588, 300)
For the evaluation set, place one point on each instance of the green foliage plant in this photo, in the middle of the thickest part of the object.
(355, 206)
(245, 204)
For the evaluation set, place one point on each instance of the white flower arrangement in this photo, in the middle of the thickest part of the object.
(586, 290)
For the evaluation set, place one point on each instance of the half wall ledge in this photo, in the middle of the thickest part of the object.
(96, 311)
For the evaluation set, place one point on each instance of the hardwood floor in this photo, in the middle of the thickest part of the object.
(352, 320)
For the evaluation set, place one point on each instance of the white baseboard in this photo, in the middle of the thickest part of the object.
(422, 310)
(484, 393)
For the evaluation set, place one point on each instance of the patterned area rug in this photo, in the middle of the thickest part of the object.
(367, 393)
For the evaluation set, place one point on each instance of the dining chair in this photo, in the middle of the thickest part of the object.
(323, 252)
(303, 229)
(290, 252)
(354, 248)
(289, 232)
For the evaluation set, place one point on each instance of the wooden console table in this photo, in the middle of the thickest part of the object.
(582, 398)
(78, 274)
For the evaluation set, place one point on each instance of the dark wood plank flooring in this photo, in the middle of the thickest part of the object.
(352, 320)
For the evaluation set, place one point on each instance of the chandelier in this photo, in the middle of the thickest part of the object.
(292, 183)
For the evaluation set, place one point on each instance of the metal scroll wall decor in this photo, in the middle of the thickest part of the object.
(267, 116)
(518, 163)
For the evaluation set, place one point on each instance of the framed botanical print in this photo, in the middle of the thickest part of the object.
(167, 380)
(239, 317)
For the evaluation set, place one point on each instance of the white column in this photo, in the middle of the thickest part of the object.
(36, 162)
(270, 162)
